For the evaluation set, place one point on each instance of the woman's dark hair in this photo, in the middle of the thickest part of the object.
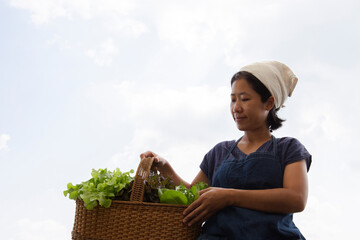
(273, 121)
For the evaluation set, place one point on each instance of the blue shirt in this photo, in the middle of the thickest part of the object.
(289, 150)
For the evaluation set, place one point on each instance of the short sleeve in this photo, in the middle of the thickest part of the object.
(213, 159)
(204, 165)
(293, 151)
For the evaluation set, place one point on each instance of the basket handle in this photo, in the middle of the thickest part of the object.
(142, 174)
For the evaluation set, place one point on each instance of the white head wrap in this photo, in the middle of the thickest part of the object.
(277, 78)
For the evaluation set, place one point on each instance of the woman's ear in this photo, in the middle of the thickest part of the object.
(270, 103)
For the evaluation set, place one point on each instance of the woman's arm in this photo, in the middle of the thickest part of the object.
(289, 199)
(200, 177)
(164, 167)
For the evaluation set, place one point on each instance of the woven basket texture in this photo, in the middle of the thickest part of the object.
(133, 219)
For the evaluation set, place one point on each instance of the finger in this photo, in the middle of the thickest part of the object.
(192, 207)
(197, 218)
(146, 154)
(205, 190)
(203, 216)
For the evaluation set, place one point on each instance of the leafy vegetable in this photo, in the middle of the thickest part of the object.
(153, 184)
(159, 189)
(181, 194)
(172, 197)
(105, 186)
(102, 188)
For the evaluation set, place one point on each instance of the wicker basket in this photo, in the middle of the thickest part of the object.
(133, 219)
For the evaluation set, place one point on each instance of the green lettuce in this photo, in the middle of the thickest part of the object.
(102, 188)
(181, 194)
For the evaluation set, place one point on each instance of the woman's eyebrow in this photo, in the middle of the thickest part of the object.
(239, 94)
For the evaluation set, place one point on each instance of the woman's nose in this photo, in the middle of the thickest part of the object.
(236, 106)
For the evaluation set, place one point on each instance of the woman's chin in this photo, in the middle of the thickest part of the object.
(240, 127)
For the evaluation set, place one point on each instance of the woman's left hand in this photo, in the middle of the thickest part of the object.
(211, 200)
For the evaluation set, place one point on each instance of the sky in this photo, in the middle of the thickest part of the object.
(92, 84)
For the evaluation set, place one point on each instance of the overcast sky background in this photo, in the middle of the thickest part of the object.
(92, 84)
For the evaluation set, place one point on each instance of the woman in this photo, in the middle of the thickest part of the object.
(259, 181)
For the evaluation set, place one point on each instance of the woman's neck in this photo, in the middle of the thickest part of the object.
(253, 137)
(252, 140)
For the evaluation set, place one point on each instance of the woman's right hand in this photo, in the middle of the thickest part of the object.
(163, 166)
(158, 163)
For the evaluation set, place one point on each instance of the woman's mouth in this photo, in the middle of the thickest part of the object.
(239, 118)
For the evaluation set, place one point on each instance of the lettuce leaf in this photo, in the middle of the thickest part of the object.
(104, 186)
(181, 194)
(172, 197)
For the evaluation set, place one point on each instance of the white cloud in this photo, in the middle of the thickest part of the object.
(129, 157)
(61, 43)
(209, 24)
(160, 106)
(172, 123)
(30, 229)
(4, 138)
(325, 219)
(126, 26)
(205, 28)
(326, 123)
(104, 54)
(45, 11)
(329, 95)
(115, 17)
(238, 31)
(212, 31)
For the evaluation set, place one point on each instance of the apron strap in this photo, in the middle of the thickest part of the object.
(274, 145)
(232, 148)
(234, 145)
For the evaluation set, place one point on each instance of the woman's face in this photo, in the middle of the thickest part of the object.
(248, 112)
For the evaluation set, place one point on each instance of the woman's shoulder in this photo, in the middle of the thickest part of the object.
(221, 147)
(292, 150)
(288, 141)
(291, 144)
(224, 144)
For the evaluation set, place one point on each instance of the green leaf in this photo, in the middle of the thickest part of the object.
(101, 188)
(173, 197)
(90, 205)
(107, 203)
(73, 195)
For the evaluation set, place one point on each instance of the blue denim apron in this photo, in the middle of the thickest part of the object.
(258, 170)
